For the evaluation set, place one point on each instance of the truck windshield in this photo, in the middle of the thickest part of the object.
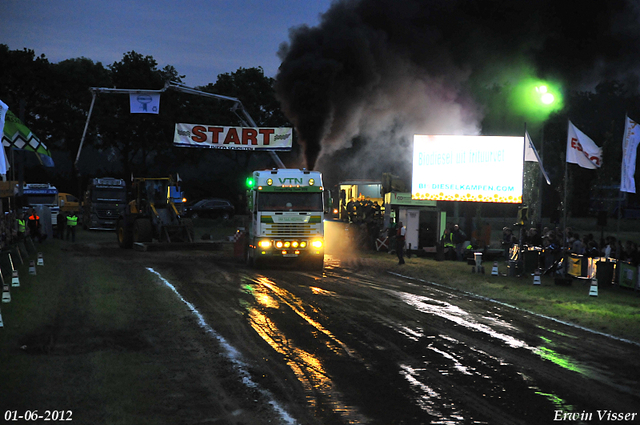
(109, 195)
(289, 201)
(41, 199)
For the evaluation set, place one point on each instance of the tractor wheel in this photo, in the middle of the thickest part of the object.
(188, 225)
(125, 237)
(142, 230)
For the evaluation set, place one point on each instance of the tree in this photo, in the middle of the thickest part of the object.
(24, 79)
(136, 138)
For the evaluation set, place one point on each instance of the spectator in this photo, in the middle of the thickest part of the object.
(33, 223)
(400, 235)
(507, 240)
(577, 246)
(458, 239)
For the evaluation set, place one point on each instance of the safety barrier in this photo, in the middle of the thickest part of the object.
(11, 258)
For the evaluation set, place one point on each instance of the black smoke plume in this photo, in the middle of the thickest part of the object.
(375, 72)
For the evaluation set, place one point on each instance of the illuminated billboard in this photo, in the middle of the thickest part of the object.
(468, 168)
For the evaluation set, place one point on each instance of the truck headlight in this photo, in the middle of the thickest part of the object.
(317, 243)
(264, 244)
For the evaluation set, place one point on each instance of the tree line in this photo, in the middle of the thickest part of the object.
(53, 100)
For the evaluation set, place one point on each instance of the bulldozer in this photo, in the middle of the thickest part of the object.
(151, 215)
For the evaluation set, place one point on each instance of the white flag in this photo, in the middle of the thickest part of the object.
(629, 148)
(531, 155)
(144, 103)
(582, 150)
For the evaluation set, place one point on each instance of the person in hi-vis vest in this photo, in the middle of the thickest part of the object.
(22, 226)
(72, 222)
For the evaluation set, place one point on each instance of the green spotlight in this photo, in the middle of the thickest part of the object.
(545, 97)
(535, 99)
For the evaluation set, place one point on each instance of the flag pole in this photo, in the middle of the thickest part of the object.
(523, 205)
(542, 175)
(524, 154)
(626, 116)
(564, 204)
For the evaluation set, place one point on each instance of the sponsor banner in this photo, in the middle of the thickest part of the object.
(629, 148)
(144, 103)
(235, 138)
(400, 198)
(16, 135)
(467, 168)
(582, 150)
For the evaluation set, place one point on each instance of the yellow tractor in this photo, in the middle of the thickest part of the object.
(151, 215)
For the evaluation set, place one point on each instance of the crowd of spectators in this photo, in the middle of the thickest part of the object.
(14, 226)
(572, 242)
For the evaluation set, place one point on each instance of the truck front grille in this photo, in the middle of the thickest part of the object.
(107, 213)
(291, 230)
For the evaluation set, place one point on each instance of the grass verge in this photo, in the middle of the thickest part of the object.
(90, 338)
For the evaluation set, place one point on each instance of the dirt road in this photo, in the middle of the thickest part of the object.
(212, 341)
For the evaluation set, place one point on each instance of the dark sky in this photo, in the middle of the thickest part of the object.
(200, 38)
(375, 72)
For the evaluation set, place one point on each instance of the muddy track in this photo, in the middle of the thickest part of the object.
(358, 345)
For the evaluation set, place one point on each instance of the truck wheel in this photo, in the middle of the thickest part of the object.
(248, 259)
(142, 230)
(125, 236)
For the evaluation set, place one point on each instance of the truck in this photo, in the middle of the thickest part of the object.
(104, 200)
(42, 194)
(286, 217)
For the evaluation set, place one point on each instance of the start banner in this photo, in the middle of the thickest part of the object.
(236, 138)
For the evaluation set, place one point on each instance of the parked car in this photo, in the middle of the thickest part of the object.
(210, 208)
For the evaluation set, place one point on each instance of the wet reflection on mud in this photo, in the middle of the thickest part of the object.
(466, 319)
(320, 291)
(430, 400)
(458, 316)
(320, 391)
